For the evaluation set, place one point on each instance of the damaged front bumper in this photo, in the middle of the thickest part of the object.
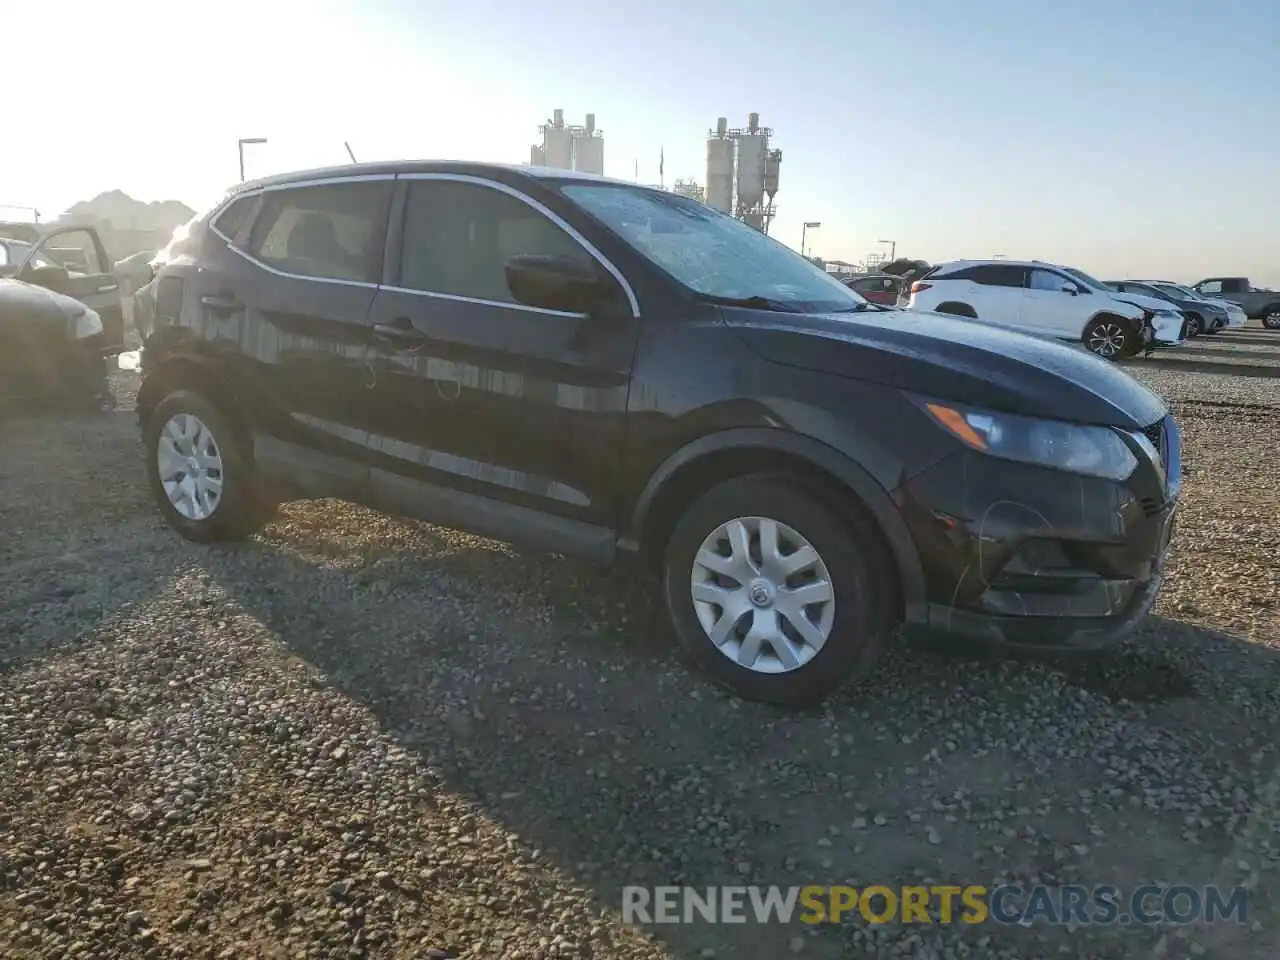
(1025, 556)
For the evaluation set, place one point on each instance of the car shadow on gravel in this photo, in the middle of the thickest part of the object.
(546, 694)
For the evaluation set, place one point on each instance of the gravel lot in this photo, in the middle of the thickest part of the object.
(360, 736)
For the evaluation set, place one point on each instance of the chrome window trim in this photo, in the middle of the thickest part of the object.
(555, 218)
(541, 208)
(293, 185)
(486, 303)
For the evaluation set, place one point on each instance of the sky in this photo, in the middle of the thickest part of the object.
(1132, 139)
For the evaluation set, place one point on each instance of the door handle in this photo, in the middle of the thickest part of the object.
(221, 302)
(400, 330)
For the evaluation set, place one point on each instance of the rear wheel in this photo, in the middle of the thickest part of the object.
(1271, 317)
(201, 471)
(1112, 338)
(772, 594)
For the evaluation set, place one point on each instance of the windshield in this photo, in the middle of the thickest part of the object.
(1178, 290)
(717, 257)
(1087, 280)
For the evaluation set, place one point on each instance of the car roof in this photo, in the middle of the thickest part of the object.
(394, 167)
(949, 264)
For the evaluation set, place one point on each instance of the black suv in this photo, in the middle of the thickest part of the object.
(609, 371)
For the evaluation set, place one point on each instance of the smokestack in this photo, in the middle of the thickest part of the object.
(722, 126)
(591, 124)
(753, 122)
(557, 119)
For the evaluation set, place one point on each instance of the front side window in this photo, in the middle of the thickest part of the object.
(1211, 286)
(459, 236)
(73, 250)
(717, 257)
(332, 232)
(1047, 280)
(1088, 281)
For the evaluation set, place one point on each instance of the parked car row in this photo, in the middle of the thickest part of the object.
(1116, 319)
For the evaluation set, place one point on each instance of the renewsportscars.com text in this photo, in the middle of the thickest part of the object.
(971, 904)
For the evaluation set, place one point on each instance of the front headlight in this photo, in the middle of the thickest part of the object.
(88, 324)
(1091, 451)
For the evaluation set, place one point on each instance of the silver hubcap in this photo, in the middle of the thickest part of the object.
(763, 595)
(1272, 321)
(1107, 339)
(190, 466)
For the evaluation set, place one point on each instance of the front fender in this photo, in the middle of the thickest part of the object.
(831, 461)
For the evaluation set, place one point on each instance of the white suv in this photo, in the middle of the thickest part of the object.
(1044, 299)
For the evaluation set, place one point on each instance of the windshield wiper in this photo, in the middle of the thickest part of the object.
(754, 302)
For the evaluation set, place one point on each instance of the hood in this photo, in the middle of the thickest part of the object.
(1203, 304)
(1146, 303)
(25, 301)
(953, 359)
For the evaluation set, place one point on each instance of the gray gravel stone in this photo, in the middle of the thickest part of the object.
(360, 736)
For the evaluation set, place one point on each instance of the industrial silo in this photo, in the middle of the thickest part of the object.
(720, 168)
(557, 143)
(588, 148)
(753, 147)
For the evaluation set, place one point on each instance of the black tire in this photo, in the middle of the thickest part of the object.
(957, 310)
(243, 507)
(1116, 330)
(1271, 317)
(1195, 325)
(864, 614)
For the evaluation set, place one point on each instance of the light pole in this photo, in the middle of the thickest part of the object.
(893, 249)
(241, 144)
(809, 225)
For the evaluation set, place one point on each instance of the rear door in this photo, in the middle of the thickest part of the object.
(997, 288)
(73, 261)
(492, 408)
(282, 293)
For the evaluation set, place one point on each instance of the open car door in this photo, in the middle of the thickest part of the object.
(72, 261)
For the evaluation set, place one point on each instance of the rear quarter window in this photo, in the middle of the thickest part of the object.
(235, 217)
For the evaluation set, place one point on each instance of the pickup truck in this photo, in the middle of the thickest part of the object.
(1257, 304)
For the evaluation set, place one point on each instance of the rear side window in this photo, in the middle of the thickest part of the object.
(990, 275)
(331, 232)
(231, 221)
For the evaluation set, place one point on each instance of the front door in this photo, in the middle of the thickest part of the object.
(1048, 307)
(72, 261)
(490, 406)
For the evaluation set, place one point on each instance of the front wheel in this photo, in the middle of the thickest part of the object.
(201, 472)
(1112, 338)
(1195, 326)
(773, 595)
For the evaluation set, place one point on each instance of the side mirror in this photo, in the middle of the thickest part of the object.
(50, 276)
(555, 283)
(1071, 288)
